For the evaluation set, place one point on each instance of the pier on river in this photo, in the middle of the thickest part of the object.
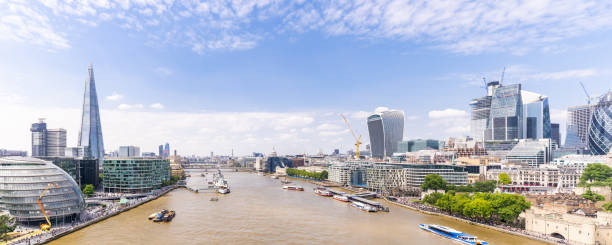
(259, 211)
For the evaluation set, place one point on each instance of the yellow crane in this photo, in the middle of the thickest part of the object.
(357, 139)
(46, 226)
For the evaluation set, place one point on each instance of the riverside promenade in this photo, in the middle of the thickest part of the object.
(55, 233)
(429, 210)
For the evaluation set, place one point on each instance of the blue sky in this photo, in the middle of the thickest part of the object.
(252, 75)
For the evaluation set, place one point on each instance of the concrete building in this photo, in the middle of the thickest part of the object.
(176, 166)
(135, 175)
(10, 153)
(23, 180)
(552, 178)
(129, 151)
(386, 129)
(56, 142)
(531, 152)
(573, 228)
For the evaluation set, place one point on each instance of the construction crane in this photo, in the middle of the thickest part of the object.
(501, 81)
(586, 93)
(46, 226)
(357, 139)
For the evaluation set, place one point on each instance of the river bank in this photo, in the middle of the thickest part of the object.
(428, 210)
(56, 233)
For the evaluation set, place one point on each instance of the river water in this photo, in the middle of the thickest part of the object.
(259, 211)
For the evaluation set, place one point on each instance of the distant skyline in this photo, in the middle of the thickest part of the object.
(221, 75)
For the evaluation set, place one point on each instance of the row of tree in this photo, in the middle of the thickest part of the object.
(499, 207)
(306, 174)
(436, 182)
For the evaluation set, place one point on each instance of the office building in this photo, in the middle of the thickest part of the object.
(161, 151)
(555, 134)
(506, 114)
(480, 112)
(90, 135)
(148, 154)
(129, 151)
(600, 130)
(9, 153)
(578, 121)
(531, 152)
(39, 138)
(351, 173)
(386, 130)
(166, 150)
(135, 175)
(83, 171)
(273, 162)
(417, 145)
(23, 179)
(536, 116)
(544, 178)
(56, 142)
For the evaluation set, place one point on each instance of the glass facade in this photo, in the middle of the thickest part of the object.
(417, 145)
(23, 179)
(506, 114)
(90, 136)
(481, 110)
(537, 116)
(39, 138)
(578, 121)
(282, 162)
(386, 130)
(600, 131)
(134, 175)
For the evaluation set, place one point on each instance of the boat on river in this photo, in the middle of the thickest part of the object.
(293, 188)
(364, 207)
(322, 192)
(163, 216)
(221, 184)
(341, 198)
(452, 234)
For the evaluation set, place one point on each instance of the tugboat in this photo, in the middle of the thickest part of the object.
(452, 234)
(159, 217)
(168, 216)
(322, 192)
(293, 188)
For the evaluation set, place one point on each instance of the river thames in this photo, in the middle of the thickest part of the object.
(258, 211)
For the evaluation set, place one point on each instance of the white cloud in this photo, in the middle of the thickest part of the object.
(329, 127)
(522, 73)
(114, 97)
(450, 112)
(189, 133)
(129, 107)
(461, 26)
(157, 106)
(360, 114)
(567, 74)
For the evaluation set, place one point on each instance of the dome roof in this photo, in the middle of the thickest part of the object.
(24, 179)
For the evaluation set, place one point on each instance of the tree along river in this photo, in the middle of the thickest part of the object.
(259, 211)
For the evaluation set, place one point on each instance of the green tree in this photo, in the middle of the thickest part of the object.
(434, 182)
(594, 197)
(7, 224)
(608, 207)
(459, 204)
(478, 208)
(432, 198)
(504, 179)
(88, 190)
(446, 201)
(486, 186)
(596, 172)
(324, 175)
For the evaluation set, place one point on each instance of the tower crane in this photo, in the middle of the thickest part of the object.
(46, 226)
(586, 93)
(357, 139)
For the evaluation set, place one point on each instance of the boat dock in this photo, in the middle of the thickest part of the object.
(362, 197)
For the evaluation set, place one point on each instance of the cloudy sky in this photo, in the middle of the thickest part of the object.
(255, 74)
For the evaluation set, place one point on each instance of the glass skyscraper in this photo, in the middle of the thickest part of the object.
(386, 130)
(506, 114)
(578, 121)
(600, 131)
(39, 138)
(536, 118)
(90, 135)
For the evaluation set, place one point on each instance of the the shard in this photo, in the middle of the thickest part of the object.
(90, 135)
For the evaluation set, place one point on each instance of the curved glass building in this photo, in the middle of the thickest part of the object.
(600, 130)
(386, 130)
(23, 179)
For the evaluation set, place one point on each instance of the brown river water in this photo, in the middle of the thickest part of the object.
(259, 211)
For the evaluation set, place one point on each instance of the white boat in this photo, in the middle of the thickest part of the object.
(293, 187)
(221, 184)
(452, 234)
(223, 190)
(341, 198)
(364, 207)
(274, 177)
(322, 192)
